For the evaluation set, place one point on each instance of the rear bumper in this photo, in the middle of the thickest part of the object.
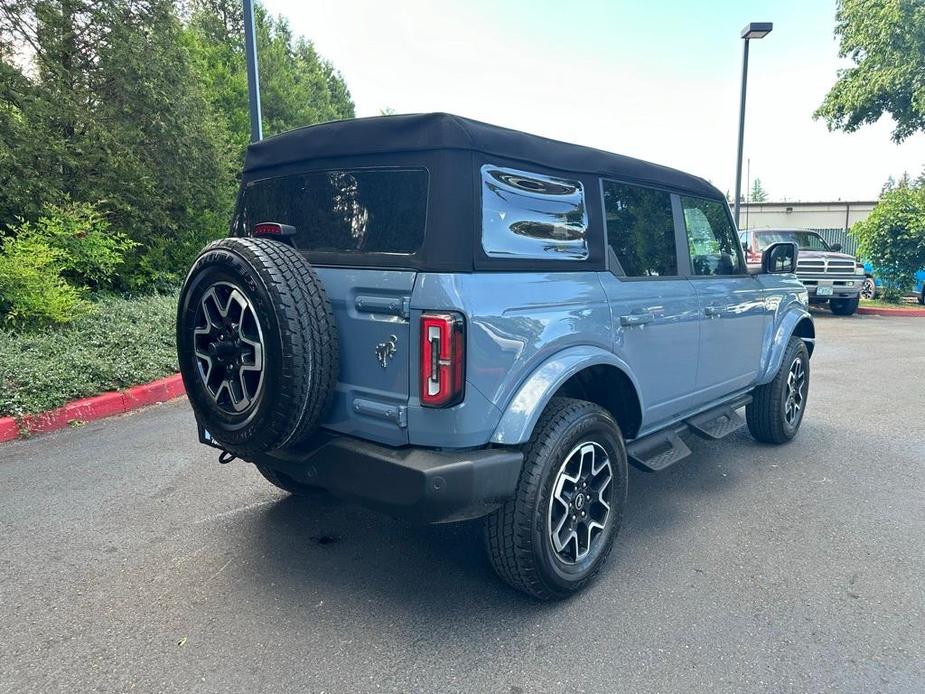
(418, 484)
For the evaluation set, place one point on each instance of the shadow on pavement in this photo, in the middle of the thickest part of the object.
(320, 545)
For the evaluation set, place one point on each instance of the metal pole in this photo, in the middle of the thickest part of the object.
(253, 78)
(748, 189)
(741, 130)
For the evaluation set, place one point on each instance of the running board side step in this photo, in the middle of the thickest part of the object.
(658, 450)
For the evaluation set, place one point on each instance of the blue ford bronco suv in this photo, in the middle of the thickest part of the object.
(445, 320)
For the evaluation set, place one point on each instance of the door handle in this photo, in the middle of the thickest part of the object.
(636, 319)
(713, 311)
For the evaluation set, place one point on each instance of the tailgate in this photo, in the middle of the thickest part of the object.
(372, 317)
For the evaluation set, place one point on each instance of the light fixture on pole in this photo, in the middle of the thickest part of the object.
(753, 30)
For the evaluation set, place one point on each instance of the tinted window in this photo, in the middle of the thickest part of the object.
(640, 229)
(530, 215)
(714, 247)
(362, 211)
(806, 240)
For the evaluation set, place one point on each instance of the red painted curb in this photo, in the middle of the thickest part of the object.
(96, 407)
(8, 429)
(908, 312)
(156, 391)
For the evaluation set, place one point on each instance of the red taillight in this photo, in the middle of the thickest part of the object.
(268, 229)
(443, 358)
(273, 229)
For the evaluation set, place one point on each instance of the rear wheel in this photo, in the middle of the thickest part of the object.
(554, 536)
(776, 411)
(869, 289)
(844, 307)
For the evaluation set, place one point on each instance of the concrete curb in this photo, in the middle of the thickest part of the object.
(907, 312)
(90, 409)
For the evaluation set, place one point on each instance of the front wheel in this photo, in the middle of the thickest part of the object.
(844, 307)
(554, 536)
(776, 411)
(869, 289)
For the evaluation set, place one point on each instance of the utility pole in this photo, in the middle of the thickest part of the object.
(253, 77)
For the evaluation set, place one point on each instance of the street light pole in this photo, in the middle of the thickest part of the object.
(253, 77)
(753, 30)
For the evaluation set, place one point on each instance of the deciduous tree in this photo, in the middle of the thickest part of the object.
(885, 39)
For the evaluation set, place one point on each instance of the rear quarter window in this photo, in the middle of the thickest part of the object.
(360, 211)
(532, 216)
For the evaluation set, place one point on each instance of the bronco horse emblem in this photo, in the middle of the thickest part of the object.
(386, 350)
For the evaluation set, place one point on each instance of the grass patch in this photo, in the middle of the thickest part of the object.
(122, 343)
(905, 302)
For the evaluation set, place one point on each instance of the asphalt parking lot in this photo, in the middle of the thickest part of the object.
(131, 561)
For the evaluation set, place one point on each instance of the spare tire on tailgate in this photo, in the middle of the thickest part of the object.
(257, 344)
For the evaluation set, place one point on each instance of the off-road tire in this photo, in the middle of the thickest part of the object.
(516, 534)
(286, 483)
(844, 307)
(299, 335)
(765, 413)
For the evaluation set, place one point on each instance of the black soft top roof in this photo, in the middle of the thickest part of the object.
(438, 131)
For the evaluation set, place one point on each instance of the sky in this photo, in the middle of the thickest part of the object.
(654, 79)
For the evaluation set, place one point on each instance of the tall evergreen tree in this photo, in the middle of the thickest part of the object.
(297, 86)
(758, 193)
(119, 103)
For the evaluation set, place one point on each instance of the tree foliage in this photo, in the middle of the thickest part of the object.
(893, 236)
(885, 39)
(758, 193)
(122, 105)
(297, 86)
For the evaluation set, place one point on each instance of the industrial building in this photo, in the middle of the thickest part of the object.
(831, 219)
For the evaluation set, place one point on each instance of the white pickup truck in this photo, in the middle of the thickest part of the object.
(827, 274)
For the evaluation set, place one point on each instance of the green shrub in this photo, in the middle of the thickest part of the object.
(90, 253)
(123, 342)
(893, 238)
(32, 291)
(47, 266)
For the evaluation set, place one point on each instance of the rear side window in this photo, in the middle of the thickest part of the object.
(345, 211)
(714, 247)
(640, 229)
(532, 216)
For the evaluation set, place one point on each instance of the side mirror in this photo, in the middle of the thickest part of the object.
(780, 258)
(835, 246)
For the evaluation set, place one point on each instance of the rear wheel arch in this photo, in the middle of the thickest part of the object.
(611, 388)
(572, 373)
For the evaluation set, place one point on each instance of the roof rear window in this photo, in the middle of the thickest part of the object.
(353, 211)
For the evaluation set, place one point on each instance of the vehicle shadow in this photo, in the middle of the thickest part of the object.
(320, 545)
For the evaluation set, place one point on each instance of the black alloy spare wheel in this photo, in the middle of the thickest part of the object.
(228, 344)
(257, 345)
